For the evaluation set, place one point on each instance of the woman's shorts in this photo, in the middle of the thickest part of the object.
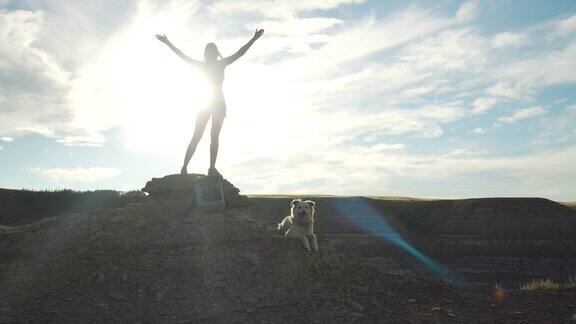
(215, 108)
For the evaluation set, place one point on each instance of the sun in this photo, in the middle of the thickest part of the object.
(146, 92)
(151, 97)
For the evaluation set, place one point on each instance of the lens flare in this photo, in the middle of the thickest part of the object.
(365, 216)
(499, 293)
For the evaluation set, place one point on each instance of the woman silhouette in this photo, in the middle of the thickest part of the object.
(214, 70)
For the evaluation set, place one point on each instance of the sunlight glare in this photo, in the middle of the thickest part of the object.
(136, 83)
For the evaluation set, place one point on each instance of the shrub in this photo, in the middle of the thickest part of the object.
(18, 207)
(540, 284)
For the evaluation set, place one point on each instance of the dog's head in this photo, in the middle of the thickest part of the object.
(303, 211)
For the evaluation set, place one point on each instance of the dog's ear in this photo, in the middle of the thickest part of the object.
(311, 203)
(294, 202)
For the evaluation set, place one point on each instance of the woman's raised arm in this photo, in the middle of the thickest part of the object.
(178, 52)
(230, 59)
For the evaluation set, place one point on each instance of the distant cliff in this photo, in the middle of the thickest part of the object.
(505, 238)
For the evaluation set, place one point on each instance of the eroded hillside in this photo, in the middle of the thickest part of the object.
(162, 260)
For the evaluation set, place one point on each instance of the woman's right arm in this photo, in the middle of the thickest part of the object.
(178, 52)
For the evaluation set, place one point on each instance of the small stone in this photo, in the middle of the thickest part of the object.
(125, 276)
(252, 299)
(357, 307)
(253, 258)
(411, 300)
(356, 315)
(361, 288)
(436, 309)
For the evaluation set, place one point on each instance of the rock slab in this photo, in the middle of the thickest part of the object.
(182, 188)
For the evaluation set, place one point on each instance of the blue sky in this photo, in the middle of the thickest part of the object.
(445, 99)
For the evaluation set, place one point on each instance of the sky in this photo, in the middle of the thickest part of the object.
(439, 99)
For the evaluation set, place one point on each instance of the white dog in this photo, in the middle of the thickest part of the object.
(300, 223)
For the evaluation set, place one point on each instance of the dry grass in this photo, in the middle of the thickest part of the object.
(401, 198)
(571, 282)
(545, 284)
(540, 284)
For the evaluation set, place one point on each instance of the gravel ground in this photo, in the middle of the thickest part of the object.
(151, 262)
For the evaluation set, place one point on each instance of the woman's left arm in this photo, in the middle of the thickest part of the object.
(232, 58)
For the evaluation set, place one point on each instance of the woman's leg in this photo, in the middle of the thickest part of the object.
(201, 120)
(217, 121)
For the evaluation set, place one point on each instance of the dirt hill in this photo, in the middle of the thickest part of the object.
(148, 263)
(165, 261)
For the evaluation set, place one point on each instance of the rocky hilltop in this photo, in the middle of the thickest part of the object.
(163, 260)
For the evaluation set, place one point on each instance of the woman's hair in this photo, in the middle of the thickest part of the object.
(211, 50)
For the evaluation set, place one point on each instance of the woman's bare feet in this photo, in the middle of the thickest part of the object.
(213, 172)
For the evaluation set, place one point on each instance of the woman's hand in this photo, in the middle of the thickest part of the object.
(162, 38)
(258, 33)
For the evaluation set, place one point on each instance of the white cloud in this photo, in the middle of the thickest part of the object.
(467, 11)
(6, 139)
(567, 26)
(479, 130)
(387, 147)
(278, 8)
(462, 153)
(296, 27)
(556, 128)
(522, 114)
(511, 90)
(422, 122)
(508, 39)
(484, 104)
(90, 174)
(552, 67)
(451, 49)
(33, 84)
